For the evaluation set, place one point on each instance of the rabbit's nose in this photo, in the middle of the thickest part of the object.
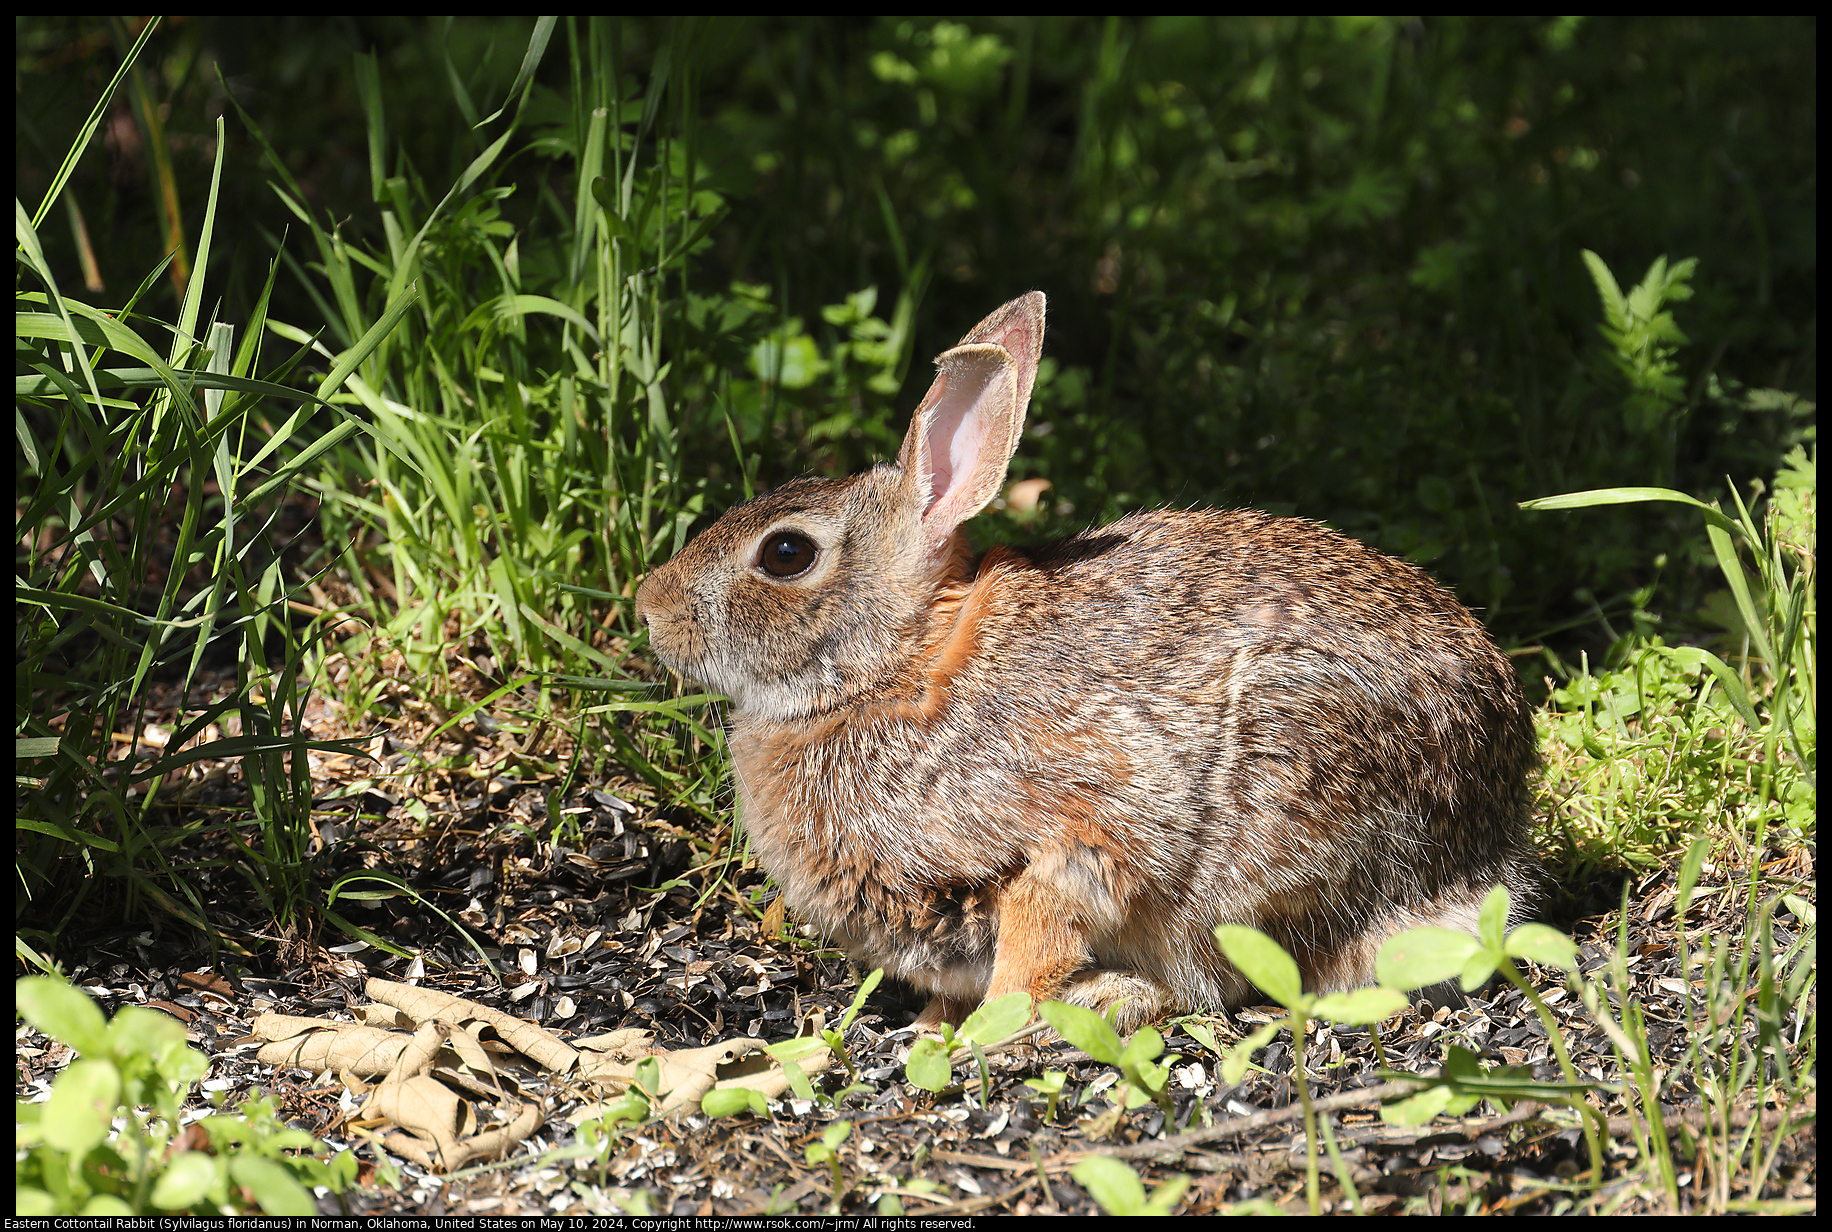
(654, 594)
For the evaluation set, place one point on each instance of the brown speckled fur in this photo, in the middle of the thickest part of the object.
(1056, 771)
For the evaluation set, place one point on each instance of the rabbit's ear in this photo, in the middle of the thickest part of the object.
(963, 435)
(1018, 327)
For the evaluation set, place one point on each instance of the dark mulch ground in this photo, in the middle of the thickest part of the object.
(580, 939)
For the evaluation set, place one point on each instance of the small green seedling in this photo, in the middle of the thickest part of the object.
(827, 1151)
(1136, 1059)
(635, 1102)
(1424, 956)
(107, 1143)
(931, 1064)
(789, 1053)
(1119, 1191)
(1050, 1087)
(835, 1037)
(1265, 962)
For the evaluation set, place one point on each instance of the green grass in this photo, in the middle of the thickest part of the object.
(589, 282)
(1676, 756)
(132, 563)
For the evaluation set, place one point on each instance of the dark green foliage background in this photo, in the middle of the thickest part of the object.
(1325, 266)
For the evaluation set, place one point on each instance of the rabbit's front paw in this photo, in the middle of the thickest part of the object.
(940, 1009)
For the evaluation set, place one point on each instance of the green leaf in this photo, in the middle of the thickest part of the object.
(1615, 307)
(996, 1019)
(1360, 1007)
(1422, 956)
(1465, 1070)
(1167, 1195)
(866, 986)
(1492, 919)
(137, 1029)
(89, 126)
(1689, 869)
(1234, 1065)
(1145, 1046)
(98, 329)
(1200, 1032)
(630, 1105)
(1628, 496)
(1111, 1183)
(1725, 549)
(1729, 682)
(81, 1111)
(273, 1185)
(1083, 1028)
(928, 1066)
(1049, 1086)
(33, 1203)
(511, 306)
(1479, 970)
(189, 1179)
(353, 358)
(1262, 960)
(799, 1081)
(1418, 1108)
(793, 1049)
(106, 1206)
(64, 1013)
(831, 1138)
(1544, 945)
(730, 1101)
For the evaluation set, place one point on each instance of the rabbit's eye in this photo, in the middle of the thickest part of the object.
(787, 554)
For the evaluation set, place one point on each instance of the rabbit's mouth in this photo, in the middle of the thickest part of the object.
(788, 694)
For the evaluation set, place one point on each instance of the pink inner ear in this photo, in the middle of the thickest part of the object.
(954, 439)
(961, 437)
(963, 431)
(1015, 341)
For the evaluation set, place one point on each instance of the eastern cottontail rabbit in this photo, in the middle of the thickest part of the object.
(1056, 770)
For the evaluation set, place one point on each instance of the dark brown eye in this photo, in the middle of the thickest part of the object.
(786, 554)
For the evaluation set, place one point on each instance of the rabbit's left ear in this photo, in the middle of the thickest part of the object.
(963, 435)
